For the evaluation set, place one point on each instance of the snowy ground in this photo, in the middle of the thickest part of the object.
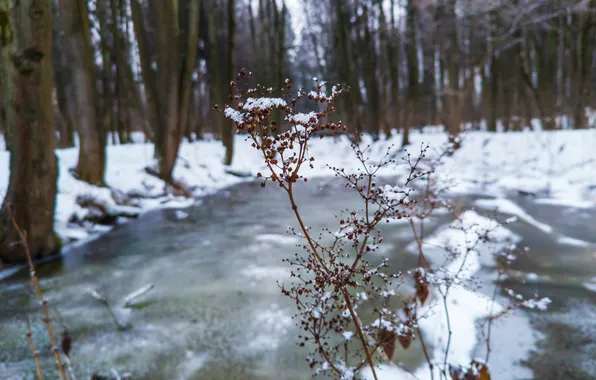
(555, 167)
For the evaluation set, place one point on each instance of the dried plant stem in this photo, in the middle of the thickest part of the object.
(491, 319)
(290, 191)
(305, 230)
(426, 355)
(422, 261)
(33, 350)
(44, 303)
(101, 299)
(344, 292)
(70, 370)
(449, 332)
(419, 239)
(357, 324)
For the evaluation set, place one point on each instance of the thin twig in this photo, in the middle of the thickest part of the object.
(137, 293)
(449, 331)
(70, 370)
(33, 350)
(44, 302)
(491, 319)
(101, 299)
(425, 351)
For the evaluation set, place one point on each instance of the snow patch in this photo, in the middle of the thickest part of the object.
(508, 207)
(310, 118)
(573, 203)
(591, 285)
(388, 372)
(259, 273)
(277, 239)
(566, 240)
(192, 363)
(263, 103)
(464, 305)
(181, 214)
(272, 325)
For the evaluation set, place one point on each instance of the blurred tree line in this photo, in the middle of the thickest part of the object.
(89, 72)
(489, 63)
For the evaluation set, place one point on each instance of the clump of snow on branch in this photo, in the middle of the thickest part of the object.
(304, 118)
(263, 103)
(236, 116)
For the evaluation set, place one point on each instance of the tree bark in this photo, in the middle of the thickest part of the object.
(215, 86)
(77, 31)
(26, 80)
(493, 94)
(191, 39)
(412, 64)
(227, 133)
(452, 53)
(148, 74)
(280, 54)
(394, 60)
(67, 139)
(343, 28)
(167, 87)
(384, 71)
(106, 117)
(582, 67)
(60, 124)
(119, 112)
(371, 82)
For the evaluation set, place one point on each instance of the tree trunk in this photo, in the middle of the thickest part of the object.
(26, 80)
(582, 63)
(384, 70)
(77, 31)
(253, 33)
(280, 53)
(148, 73)
(167, 88)
(314, 40)
(67, 141)
(394, 60)
(227, 133)
(60, 85)
(190, 54)
(60, 124)
(412, 64)
(493, 93)
(118, 122)
(214, 72)
(370, 78)
(106, 117)
(452, 54)
(343, 28)
(265, 47)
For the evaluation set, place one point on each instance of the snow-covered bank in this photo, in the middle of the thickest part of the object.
(460, 249)
(556, 166)
(465, 306)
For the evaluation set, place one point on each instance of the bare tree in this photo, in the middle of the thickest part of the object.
(167, 85)
(26, 82)
(77, 32)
